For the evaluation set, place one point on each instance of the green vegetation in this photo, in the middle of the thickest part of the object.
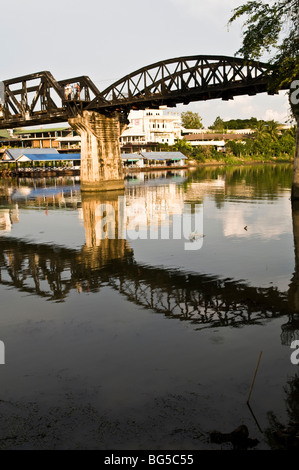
(4, 134)
(272, 27)
(221, 125)
(191, 120)
(267, 143)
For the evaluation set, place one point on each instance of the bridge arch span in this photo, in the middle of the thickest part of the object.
(182, 80)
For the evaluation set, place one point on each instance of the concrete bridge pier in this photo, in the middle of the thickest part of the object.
(101, 165)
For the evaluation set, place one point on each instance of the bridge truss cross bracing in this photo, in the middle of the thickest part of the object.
(39, 99)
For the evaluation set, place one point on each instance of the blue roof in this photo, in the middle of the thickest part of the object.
(16, 153)
(50, 157)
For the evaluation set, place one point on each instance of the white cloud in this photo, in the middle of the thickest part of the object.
(262, 223)
(271, 114)
(261, 106)
(214, 10)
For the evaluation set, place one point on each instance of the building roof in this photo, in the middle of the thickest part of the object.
(38, 131)
(186, 131)
(49, 157)
(14, 154)
(132, 131)
(131, 156)
(75, 138)
(163, 155)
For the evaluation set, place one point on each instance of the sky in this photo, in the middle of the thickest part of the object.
(107, 39)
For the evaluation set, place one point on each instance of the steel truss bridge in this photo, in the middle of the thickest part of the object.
(39, 99)
(206, 301)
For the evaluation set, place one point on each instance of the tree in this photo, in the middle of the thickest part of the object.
(273, 129)
(191, 120)
(183, 146)
(240, 123)
(218, 124)
(260, 130)
(273, 28)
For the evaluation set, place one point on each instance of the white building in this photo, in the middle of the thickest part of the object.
(152, 126)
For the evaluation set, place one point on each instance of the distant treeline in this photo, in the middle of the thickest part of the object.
(268, 141)
(238, 124)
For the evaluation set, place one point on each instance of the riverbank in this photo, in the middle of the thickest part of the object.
(238, 161)
(31, 173)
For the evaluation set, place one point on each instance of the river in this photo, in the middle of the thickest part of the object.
(136, 320)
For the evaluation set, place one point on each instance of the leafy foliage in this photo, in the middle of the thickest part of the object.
(272, 27)
(267, 142)
(218, 124)
(191, 120)
(240, 123)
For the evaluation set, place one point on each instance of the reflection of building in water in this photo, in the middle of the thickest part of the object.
(8, 217)
(5, 223)
(140, 213)
(153, 205)
(158, 177)
(47, 196)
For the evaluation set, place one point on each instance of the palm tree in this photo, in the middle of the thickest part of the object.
(260, 130)
(273, 129)
(292, 132)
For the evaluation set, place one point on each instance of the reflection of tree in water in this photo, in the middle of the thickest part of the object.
(261, 179)
(286, 436)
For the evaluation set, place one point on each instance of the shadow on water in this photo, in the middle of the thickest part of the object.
(206, 301)
(286, 435)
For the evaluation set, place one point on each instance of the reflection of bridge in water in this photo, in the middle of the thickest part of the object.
(206, 301)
